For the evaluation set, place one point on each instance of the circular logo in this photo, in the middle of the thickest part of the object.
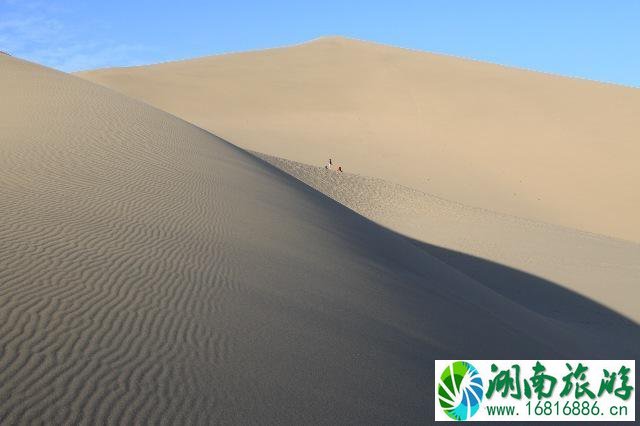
(460, 390)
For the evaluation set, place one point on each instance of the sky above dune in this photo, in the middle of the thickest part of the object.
(596, 40)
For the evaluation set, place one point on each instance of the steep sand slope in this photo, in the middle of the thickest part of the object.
(555, 149)
(601, 268)
(149, 272)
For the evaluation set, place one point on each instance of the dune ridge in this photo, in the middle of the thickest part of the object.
(533, 145)
(152, 272)
(601, 268)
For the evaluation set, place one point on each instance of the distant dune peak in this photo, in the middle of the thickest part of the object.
(336, 39)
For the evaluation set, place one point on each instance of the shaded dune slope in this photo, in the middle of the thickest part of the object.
(528, 144)
(151, 272)
(601, 268)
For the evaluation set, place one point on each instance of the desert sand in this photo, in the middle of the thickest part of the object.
(523, 255)
(151, 272)
(554, 149)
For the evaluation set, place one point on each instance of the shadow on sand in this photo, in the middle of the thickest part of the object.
(548, 299)
(607, 334)
(614, 335)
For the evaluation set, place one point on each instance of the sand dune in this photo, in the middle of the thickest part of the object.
(600, 268)
(151, 272)
(554, 149)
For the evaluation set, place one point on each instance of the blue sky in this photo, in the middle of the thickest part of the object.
(598, 40)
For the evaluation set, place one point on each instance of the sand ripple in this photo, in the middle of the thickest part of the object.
(152, 273)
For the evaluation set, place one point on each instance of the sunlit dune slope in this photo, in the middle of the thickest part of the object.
(550, 148)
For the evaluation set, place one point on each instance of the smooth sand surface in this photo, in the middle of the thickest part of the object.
(555, 149)
(151, 272)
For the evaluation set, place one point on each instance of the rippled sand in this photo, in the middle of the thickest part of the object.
(151, 272)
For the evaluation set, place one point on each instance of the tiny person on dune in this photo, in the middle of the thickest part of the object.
(329, 165)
